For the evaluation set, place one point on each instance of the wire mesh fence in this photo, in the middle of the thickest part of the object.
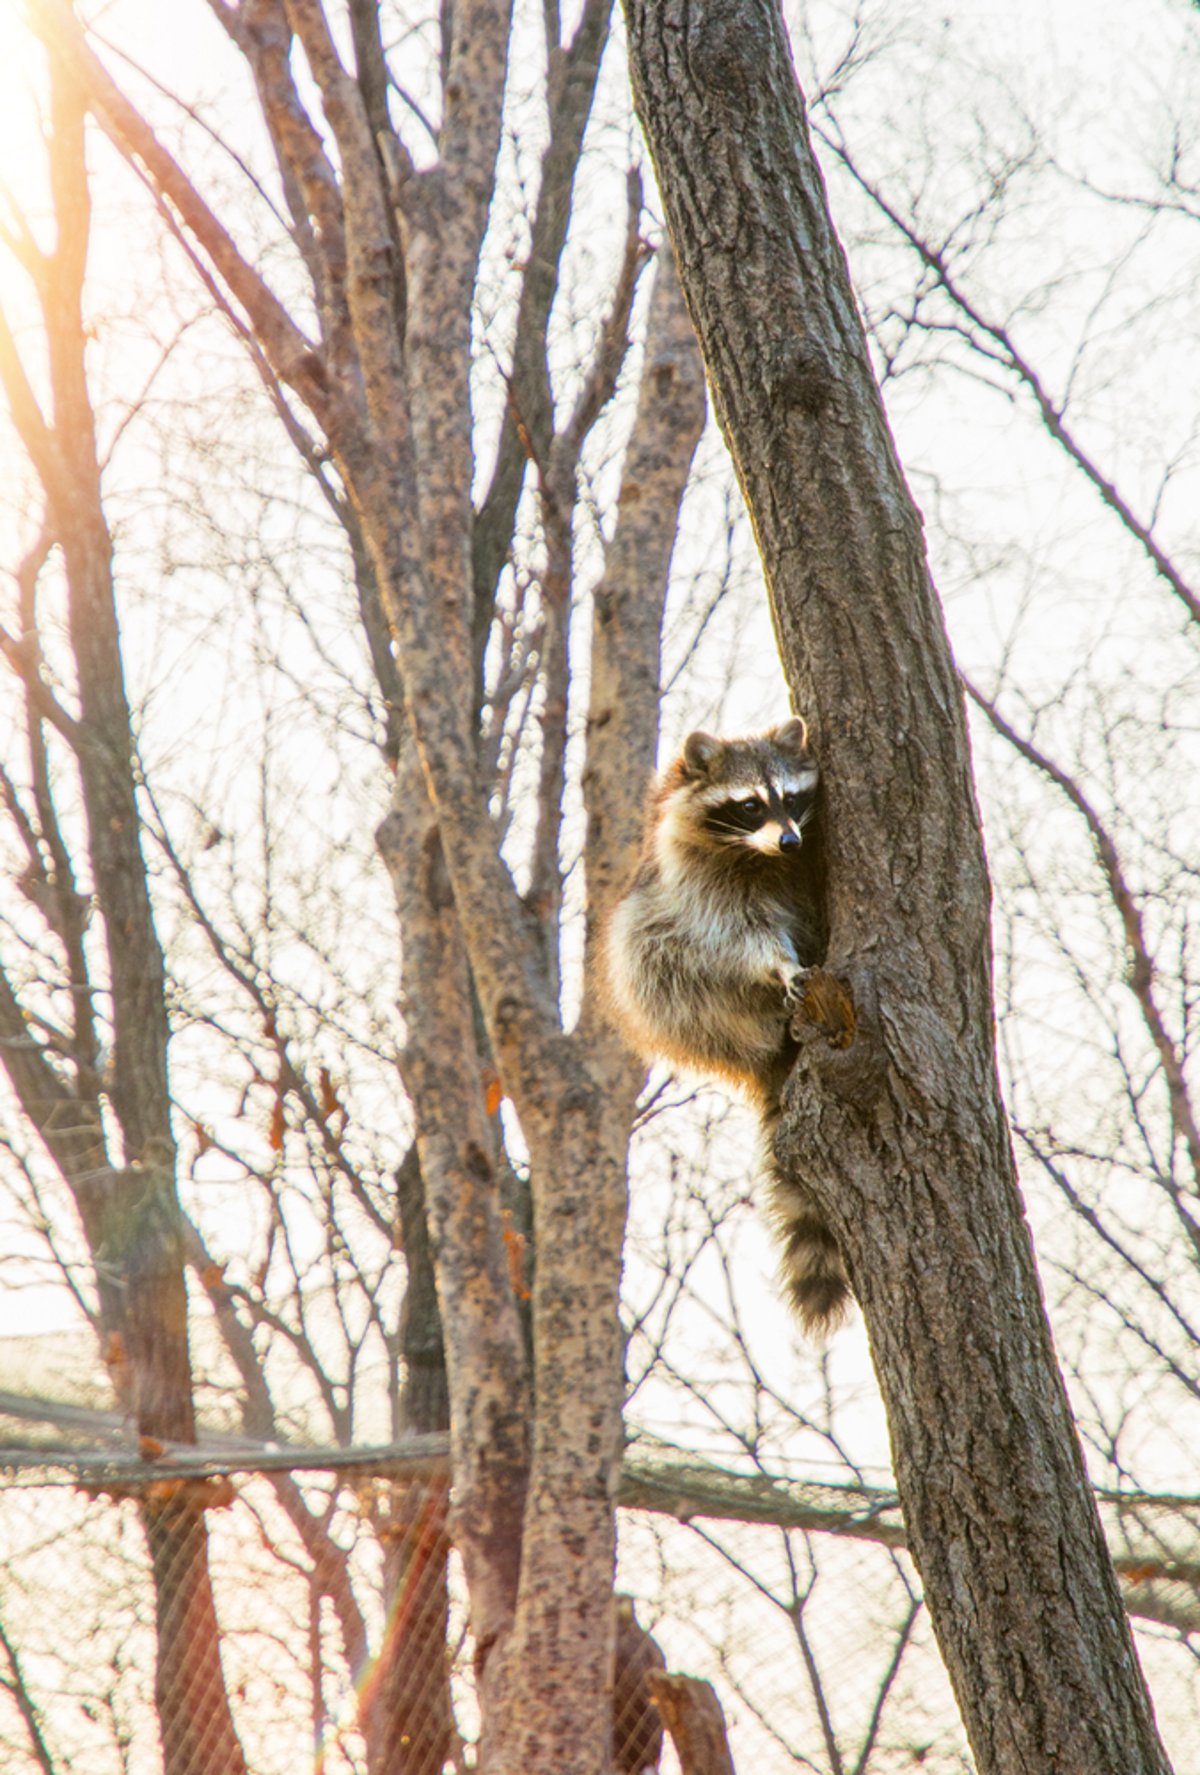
(208, 1619)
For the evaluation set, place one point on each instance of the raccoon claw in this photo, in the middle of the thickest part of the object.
(793, 988)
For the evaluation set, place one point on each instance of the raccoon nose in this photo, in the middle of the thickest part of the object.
(789, 840)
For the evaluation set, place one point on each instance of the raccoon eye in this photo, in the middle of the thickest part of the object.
(751, 813)
(795, 805)
(739, 815)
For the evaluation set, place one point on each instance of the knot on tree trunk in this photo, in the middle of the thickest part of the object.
(727, 48)
(837, 1030)
(801, 375)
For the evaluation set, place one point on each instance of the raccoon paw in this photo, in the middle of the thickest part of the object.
(793, 989)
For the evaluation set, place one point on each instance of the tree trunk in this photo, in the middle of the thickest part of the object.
(406, 1715)
(389, 386)
(194, 1720)
(893, 1116)
(692, 1714)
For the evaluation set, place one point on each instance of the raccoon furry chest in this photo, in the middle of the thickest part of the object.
(707, 951)
(707, 947)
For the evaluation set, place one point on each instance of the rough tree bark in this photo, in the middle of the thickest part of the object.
(893, 1117)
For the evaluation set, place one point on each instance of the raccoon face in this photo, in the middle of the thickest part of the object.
(744, 795)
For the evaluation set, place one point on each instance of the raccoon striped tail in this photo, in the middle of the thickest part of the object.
(814, 1275)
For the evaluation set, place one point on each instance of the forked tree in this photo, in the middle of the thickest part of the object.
(377, 395)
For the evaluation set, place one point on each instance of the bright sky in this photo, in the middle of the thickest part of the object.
(1064, 61)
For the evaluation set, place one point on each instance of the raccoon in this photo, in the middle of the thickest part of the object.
(708, 949)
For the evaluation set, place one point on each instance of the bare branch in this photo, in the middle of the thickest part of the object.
(293, 355)
(1141, 970)
(573, 84)
(1052, 412)
(26, 1706)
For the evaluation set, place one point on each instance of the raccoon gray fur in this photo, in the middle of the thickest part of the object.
(708, 949)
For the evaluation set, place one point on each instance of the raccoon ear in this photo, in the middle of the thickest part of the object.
(699, 750)
(792, 735)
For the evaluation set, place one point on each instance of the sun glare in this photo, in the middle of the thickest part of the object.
(23, 191)
(21, 73)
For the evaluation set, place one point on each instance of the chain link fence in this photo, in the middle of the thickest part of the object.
(209, 1615)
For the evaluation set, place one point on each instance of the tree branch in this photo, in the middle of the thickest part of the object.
(293, 355)
(1142, 971)
(1052, 413)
